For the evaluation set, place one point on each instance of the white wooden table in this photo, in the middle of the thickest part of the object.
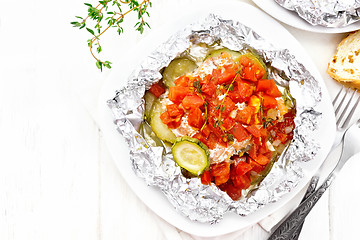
(57, 180)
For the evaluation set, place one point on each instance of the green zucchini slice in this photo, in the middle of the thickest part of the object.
(234, 54)
(191, 154)
(177, 68)
(160, 129)
(149, 101)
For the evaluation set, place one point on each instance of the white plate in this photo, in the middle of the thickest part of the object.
(152, 196)
(293, 19)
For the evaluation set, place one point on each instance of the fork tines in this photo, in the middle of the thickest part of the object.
(347, 96)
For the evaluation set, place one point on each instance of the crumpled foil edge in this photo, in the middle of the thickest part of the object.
(208, 203)
(327, 13)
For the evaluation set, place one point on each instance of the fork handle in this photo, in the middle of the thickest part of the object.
(311, 188)
(286, 230)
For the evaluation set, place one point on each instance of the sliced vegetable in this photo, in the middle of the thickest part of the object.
(160, 129)
(149, 100)
(215, 53)
(177, 68)
(191, 154)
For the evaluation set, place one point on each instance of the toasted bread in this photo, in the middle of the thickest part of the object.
(345, 64)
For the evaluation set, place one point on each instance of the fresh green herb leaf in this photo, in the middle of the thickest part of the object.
(111, 12)
(197, 86)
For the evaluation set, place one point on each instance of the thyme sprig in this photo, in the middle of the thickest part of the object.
(197, 86)
(111, 12)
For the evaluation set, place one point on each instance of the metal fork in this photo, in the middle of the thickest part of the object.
(338, 103)
(350, 147)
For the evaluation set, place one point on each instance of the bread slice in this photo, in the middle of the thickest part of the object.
(345, 64)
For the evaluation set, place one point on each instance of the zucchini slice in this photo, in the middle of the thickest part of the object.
(149, 101)
(234, 54)
(177, 68)
(191, 154)
(160, 129)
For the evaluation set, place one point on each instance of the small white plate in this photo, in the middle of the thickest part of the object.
(293, 19)
(152, 196)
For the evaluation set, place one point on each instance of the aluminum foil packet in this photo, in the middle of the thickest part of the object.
(327, 13)
(156, 166)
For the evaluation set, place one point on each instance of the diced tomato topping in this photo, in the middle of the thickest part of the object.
(256, 167)
(233, 192)
(227, 106)
(263, 85)
(254, 130)
(206, 178)
(269, 101)
(206, 131)
(253, 151)
(262, 160)
(209, 89)
(192, 101)
(171, 122)
(245, 91)
(244, 115)
(269, 87)
(174, 110)
(211, 141)
(166, 118)
(182, 81)
(157, 89)
(178, 93)
(215, 127)
(239, 132)
(224, 74)
(242, 168)
(251, 71)
(195, 118)
(241, 181)
(228, 123)
(221, 172)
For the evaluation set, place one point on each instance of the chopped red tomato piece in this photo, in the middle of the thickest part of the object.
(269, 87)
(241, 181)
(171, 122)
(256, 167)
(157, 90)
(182, 81)
(192, 101)
(209, 89)
(239, 132)
(253, 151)
(221, 172)
(227, 106)
(269, 101)
(195, 118)
(206, 178)
(206, 131)
(242, 168)
(244, 115)
(174, 110)
(251, 70)
(233, 191)
(228, 124)
(178, 93)
(224, 74)
(262, 160)
(254, 130)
